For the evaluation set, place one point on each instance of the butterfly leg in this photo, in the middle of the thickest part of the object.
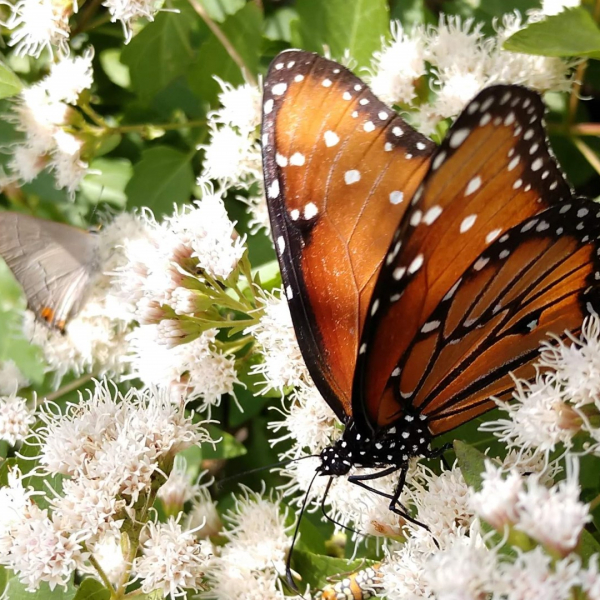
(394, 498)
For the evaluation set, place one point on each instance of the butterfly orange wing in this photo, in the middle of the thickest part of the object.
(493, 172)
(339, 169)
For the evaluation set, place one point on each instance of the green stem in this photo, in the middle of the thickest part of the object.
(218, 33)
(100, 571)
(589, 154)
(69, 387)
(93, 115)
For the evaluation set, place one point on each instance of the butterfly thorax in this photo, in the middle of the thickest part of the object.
(409, 436)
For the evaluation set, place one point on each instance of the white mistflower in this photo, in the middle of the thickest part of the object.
(178, 489)
(539, 417)
(172, 560)
(308, 420)
(576, 365)
(38, 24)
(496, 502)
(463, 570)
(203, 516)
(283, 365)
(535, 576)
(127, 11)
(15, 503)
(398, 66)
(192, 370)
(257, 533)
(554, 7)
(69, 77)
(108, 554)
(237, 582)
(231, 157)
(11, 378)
(240, 106)
(15, 418)
(442, 501)
(42, 551)
(65, 161)
(208, 231)
(554, 516)
(590, 579)
(26, 162)
(403, 573)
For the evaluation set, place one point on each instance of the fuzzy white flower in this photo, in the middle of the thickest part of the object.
(204, 517)
(531, 577)
(461, 571)
(283, 365)
(257, 533)
(69, 77)
(38, 24)
(236, 582)
(15, 502)
(308, 420)
(590, 579)
(192, 370)
(554, 7)
(240, 106)
(554, 516)
(210, 234)
(42, 551)
(128, 11)
(442, 501)
(15, 418)
(496, 502)
(178, 489)
(108, 554)
(398, 66)
(11, 378)
(576, 364)
(172, 560)
(539, 417)
(403, 573)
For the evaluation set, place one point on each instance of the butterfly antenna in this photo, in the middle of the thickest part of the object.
(331, 518)
(281, 463)
(288, 562)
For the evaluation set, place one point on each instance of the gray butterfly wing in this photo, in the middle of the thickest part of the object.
(53, 262)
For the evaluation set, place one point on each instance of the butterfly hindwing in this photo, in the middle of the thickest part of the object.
(53, 262)
(339, 169)
(493, 171)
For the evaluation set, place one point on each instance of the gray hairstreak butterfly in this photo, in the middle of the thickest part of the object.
(54, 263)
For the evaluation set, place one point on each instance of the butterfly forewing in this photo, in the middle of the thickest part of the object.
(339, 168)
(493, 171)
(53, 262)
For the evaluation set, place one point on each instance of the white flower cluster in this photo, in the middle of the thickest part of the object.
(15, 418)
(39, 24)
(455, 560)
(110, 448)
(554, 408)
(43, 112)
(250, 564)
(233, 155)
(96, 339)
(456, 61)
(166, 284)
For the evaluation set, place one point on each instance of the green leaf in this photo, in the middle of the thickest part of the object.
(278, 24)
(227, 447)
(91, 589)
(160, 53)
(219, 10)
(244, 31)
(10, 84)
(162, 177)
(411, 12)
(588, 546)
(471, 463)
(17, 591)
(115, 70)
(570, 33)
(354, 25)
(316, 568)
(107, 180)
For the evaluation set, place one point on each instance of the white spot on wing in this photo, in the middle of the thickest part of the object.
(351, 177)
(459, 136)
(297, 159)
(467, 223)
(396, 197)
(416, 264)
(281, 244)
(279, 89)
(492, 235)
(273, 190)
(310, 210)
(432, 214)
(473, 186)
(331, 138)
(268, 107)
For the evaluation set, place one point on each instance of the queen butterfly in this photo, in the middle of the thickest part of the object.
(418, 277)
